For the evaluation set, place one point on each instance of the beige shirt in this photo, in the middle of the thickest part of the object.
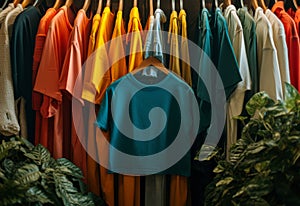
(281, 46)
(236, 101)
(8, 120)
(268, 66)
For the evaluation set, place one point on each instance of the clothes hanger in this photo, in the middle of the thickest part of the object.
(242, 3)
(108, 3)
(203, 4)
(158, 4)
(173, 5)
(151, 61)
(135, 3)
(58, 4)
(86, 5)
(151, 7)
(68, 3)
(263, 5)
(225, 4)
(99, 8)
(26, 3)
(181, 4)
(16, 2)
(216, 3)
(254, 4)
(120, 5)
(295, 4)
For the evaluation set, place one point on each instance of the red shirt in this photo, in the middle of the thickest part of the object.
(292, 40)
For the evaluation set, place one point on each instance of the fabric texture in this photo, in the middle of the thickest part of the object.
(25, 27)
(282, 50)
(8, 120)
(268, 66)
(236, 101)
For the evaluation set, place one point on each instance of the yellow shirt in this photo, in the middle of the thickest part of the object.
(98, 76)
(185, 55)
(174, 64)
(116, 50)
(136, 44)
(94, 31)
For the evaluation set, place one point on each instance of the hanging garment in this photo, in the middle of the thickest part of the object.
(268, 67)
(8, 120)
(249, 31)
(71, 74)
(281, 47)
(25, 27)
(174, 64)
(134, 39)
(43, 129)
(215, 43)
(54, 105)
(93, 172)
(236, 100)
(155, 185)
(297, 20)
(174, 109)
(184, 48)
(292, 41)
(97, 78)
(117, 49)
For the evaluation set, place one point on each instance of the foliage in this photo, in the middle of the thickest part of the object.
(264, 165)
(30, 176)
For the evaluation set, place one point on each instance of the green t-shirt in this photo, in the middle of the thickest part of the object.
(128, 107)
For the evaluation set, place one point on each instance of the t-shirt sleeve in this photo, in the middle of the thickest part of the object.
(48, 73)
(103, 117)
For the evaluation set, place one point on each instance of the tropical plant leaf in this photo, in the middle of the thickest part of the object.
(257, 102)
(291, 96)
(68, 168)
(5, 147)
(27, 174)
(36, 194)
(39, 155)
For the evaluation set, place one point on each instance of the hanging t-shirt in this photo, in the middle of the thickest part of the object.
(134, 39)
(280, 44)
(179, 115)
(268, 67)
(297, 20)
(54, 52)
(43, 127)
(292, 41)
(117, 49)
(8, 119)
(236, 101)
(25, 27)
(184, 48)
(215, 42)
(174, 64)
(71, 75)
(97, 78)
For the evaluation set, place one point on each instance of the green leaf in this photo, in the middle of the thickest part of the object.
(262, 166)
(225, 181)
(5, 147)
(257, 102)
(291, 96)
(67, 167)
(27, 174)
(39, 155)
(36, 194)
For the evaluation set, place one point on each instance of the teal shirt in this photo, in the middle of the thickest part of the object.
(133, 97)
(249, 31)
(214, 41)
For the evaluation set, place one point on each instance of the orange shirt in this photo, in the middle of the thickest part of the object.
(48, 75)
(297, 20)
(292, 40)
(42, 134)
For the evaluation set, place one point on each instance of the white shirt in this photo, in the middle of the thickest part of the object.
(235, 104)
(268, 66)
(8, 120)
(281, 46)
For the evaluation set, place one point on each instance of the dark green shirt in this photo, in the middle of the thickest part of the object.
(22, 48)
(214, 41)
(133, 97)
